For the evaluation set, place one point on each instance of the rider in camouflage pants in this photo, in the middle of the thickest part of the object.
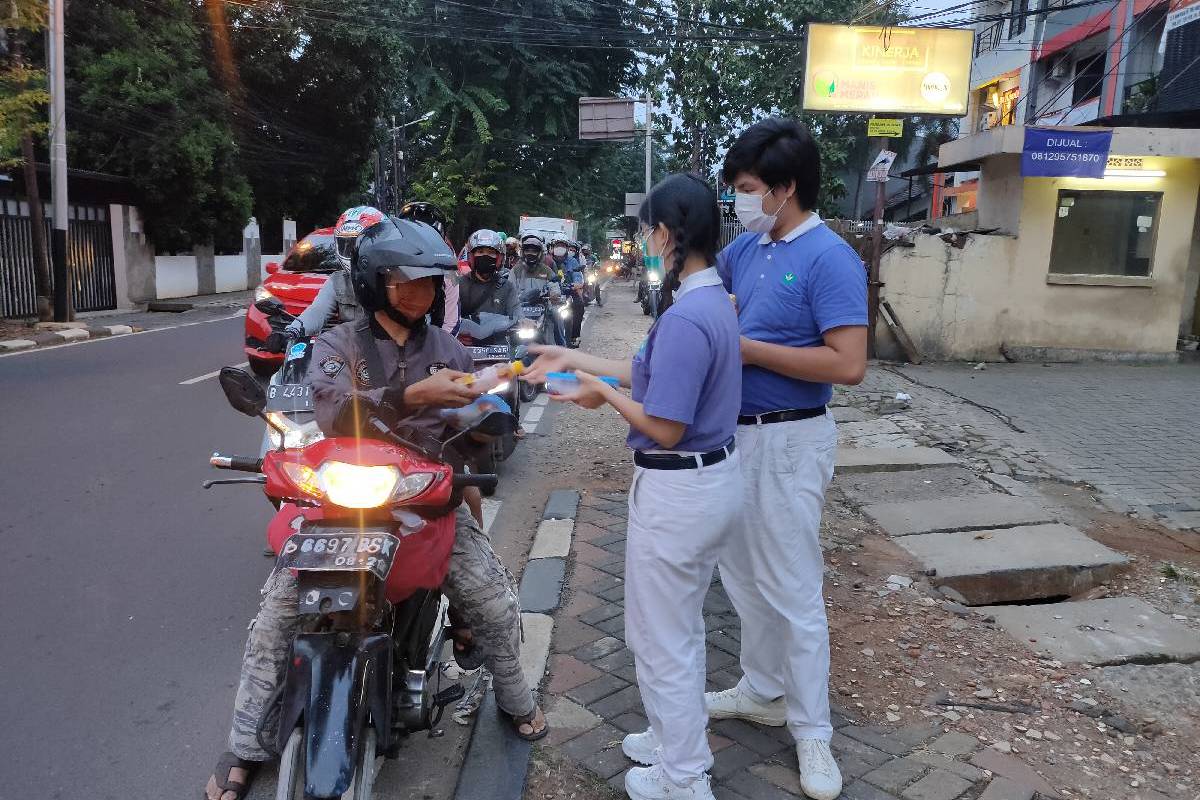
(477, 586)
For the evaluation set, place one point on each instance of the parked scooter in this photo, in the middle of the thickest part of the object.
(368, 527)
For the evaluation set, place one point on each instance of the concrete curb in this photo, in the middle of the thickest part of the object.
(496, 762)
(74, 333)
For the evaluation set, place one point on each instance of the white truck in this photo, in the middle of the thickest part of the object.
(550, 228)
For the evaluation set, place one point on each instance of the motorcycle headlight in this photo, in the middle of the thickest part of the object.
(262, 293)
(356, 486)
(526, 332)
(565, 312)
(653, 277)
(294, 434)
(592, 278)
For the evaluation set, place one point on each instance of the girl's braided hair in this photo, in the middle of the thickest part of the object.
(687, 206)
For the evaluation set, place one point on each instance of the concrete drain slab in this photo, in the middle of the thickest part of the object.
(1105, 632)
(957, 514)
(1029, 562)
(890, 459)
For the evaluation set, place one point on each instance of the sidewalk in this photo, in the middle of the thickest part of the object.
(935, 698)
(17, 335)
(1130, 431)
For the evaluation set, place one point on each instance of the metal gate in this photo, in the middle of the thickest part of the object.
(89, 259)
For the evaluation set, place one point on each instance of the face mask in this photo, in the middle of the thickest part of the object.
(559, 252)
(749, 210)
(484, 265)
(651, 261)
(574, 254)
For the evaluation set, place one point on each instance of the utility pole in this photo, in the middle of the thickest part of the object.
(649, 127)
(873, 283)
(401, 171)
(58, 163)
(395, 199)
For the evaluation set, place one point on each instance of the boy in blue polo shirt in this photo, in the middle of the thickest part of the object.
(802, 311)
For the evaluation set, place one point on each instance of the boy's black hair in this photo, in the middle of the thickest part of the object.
(777, 151)
(687, 206)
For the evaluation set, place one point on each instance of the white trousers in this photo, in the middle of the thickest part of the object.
(772, 568)
(678, 523)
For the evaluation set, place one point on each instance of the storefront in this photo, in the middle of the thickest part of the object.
(1103, 264)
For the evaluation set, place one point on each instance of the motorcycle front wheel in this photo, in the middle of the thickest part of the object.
(527, 391)
(599, 298)
(290, 784)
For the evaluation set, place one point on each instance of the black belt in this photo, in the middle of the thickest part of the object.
(673, 461)
(787, 415)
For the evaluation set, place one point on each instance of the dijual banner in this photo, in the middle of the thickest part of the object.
(1057, 153)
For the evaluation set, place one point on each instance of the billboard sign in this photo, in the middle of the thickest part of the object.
(1058, 153)
(606, 118)
(871, 69)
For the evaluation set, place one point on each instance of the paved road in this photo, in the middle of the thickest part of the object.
(128, 587)
(1132, 431)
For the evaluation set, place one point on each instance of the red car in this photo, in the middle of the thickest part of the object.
(295, 283)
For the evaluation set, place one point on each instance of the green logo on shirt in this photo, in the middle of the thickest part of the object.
(789, 278)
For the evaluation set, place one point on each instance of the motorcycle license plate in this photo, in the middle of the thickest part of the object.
(340, 550)
(289, 397)
(493, 351)
(532, 311)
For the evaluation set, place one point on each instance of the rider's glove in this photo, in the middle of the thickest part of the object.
(276, 343)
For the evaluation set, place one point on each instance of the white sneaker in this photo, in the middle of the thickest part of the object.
(644, 748)
(820, 777)
(649, 783)
(736, 704)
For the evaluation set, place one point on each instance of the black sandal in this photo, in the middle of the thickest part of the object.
(220, 776)
(528, 719)
(467, 654)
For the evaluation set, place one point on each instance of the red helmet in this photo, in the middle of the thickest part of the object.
(350, 226)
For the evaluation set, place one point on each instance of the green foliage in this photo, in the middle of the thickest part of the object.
(23, 98)
(142, 103)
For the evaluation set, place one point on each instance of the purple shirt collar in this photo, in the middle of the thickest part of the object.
(705, 277)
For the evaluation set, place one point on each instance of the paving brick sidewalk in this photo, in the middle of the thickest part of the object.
(1130, 431)
(593, 701)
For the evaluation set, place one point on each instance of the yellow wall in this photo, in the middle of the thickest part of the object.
(993, 293)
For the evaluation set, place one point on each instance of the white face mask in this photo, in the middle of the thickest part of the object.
(749, 210)
(559, 252)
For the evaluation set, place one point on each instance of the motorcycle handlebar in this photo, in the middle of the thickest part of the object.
(237, 463)
(483, 481)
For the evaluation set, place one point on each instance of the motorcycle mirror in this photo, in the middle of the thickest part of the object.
(495, 423)
(242, 391)
(269, 306)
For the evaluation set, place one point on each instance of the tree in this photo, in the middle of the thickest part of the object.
(22, 96)
(148, 108)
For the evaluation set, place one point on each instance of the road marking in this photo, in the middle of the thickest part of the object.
(533, 416)
(208, 375)
(541, 399)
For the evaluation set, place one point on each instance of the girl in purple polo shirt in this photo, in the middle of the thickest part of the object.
(687, 484)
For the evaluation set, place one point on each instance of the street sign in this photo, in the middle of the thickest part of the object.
(881, 166)
(633, 201)
(606, 118)
(1061, 153)
(881, 126)
(882, 70)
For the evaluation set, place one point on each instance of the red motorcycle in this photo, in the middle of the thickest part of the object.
(367, 525)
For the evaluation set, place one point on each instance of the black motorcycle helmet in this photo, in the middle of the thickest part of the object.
(421, 211)
(413, 249)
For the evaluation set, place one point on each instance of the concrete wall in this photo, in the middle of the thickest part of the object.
(175, 276)
(229, 273)
(996, 293)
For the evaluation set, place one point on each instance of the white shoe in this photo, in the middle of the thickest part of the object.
(644, 748)
(820, 777)
(649, 783)
(736, 704)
